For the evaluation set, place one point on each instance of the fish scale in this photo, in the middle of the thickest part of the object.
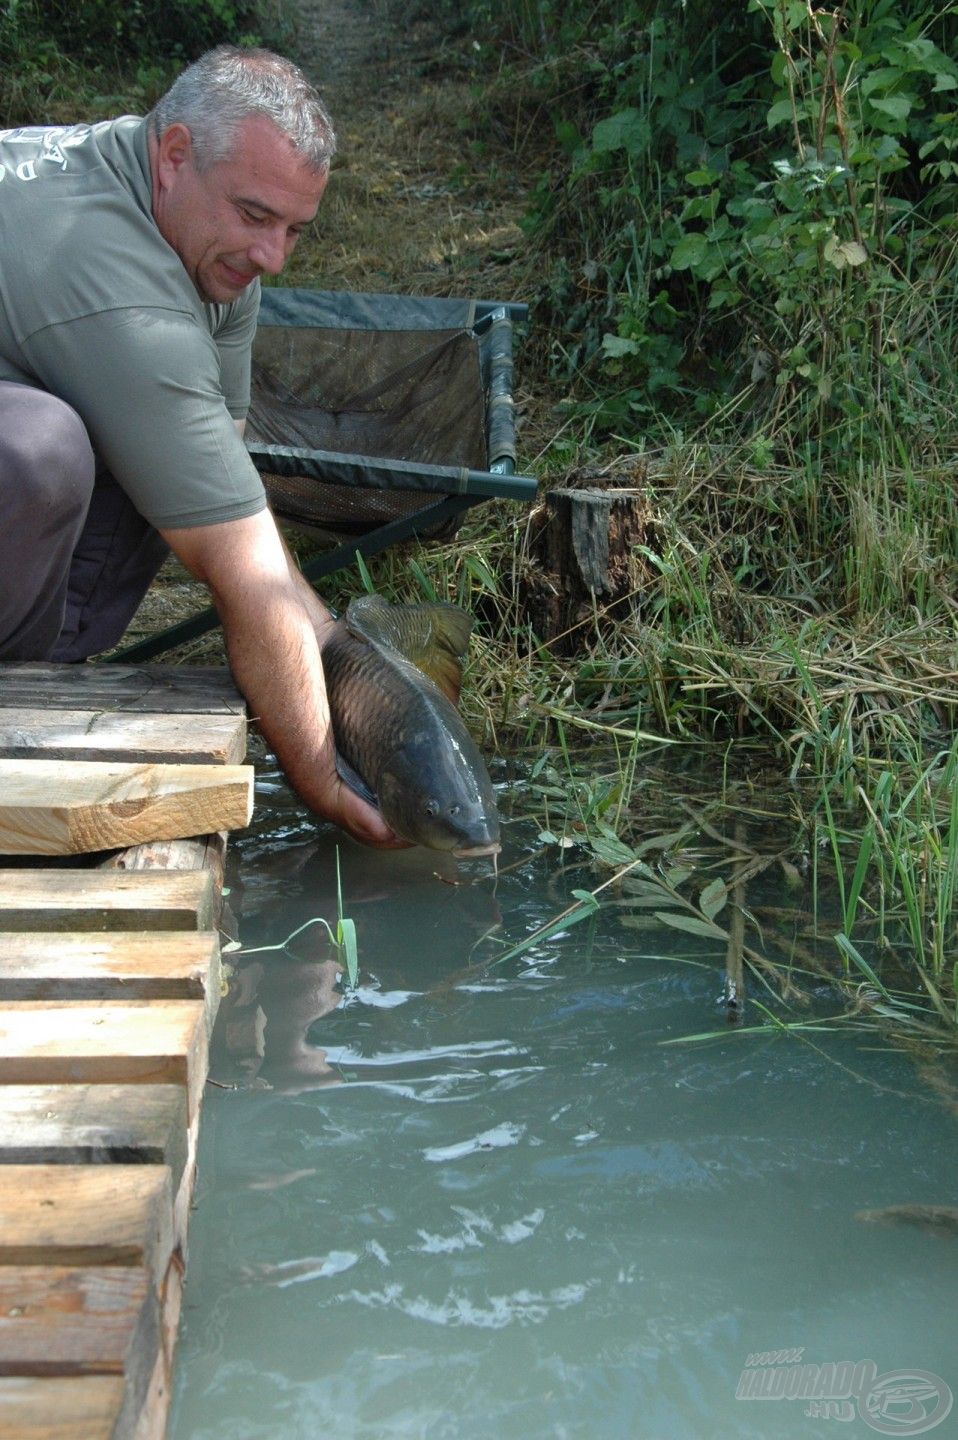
(399, 732)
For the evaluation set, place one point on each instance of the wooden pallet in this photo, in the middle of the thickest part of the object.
(109, 985)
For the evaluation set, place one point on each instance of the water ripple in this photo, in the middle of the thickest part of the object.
(525, 1307)
(494, 1139)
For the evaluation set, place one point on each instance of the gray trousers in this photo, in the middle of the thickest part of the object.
(76, 558)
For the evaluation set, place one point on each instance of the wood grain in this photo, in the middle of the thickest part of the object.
(86, 1215)
(112, 965)
(166, 689)
(96, 900)
(95, 1125)
(105, 1043)
(66, 1320)
(81, 1408)
(60, 807)
(28, 733)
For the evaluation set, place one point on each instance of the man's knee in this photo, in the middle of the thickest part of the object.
(46, 461)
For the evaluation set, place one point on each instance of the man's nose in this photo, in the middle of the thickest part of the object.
(269, 252)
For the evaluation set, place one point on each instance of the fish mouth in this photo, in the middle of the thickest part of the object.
(470, 852)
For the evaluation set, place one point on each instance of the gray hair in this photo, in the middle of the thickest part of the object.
(228, 85)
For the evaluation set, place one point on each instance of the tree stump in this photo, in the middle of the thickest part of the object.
(585, 564)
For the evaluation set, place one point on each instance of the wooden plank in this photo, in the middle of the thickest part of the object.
(200, 852)
(95, 1125)
(81, 1408)
(28, 733)
(60, 807)
(165, 689)
(96, 900)
(86, 1215)
(112, 965)
(66, 1320)
(161, 1042)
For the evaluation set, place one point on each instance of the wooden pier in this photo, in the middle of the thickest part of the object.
(117, 786)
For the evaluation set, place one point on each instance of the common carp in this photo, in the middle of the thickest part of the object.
(393, 674)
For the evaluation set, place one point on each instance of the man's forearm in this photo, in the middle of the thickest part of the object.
(320, 617)
(273, 631)
(274, 655)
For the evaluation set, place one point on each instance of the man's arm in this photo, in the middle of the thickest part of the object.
(270, 627)
(320, 617)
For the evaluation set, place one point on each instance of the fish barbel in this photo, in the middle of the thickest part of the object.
(392, 675)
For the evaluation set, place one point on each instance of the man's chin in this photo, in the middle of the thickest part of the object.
(222, 288)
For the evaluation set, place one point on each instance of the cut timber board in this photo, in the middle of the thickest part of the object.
(64, 1320)
(160, 689)
(97, 900)
(60, 807)
(114, 965)
(86, 1215)
(159, 1042)
(95, 1125)
(58, 1321)
(85, 1408)
(54, 734)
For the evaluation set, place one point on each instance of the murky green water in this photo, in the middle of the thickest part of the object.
(485, 1202)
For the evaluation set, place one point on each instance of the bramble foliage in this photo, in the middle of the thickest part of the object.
(61, 60)
(111, 30)
(756, 205)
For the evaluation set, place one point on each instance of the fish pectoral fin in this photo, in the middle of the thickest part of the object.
(355, 781)
(433, 637)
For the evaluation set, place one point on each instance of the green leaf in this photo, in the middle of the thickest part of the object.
(713, 897)
(546, 932)
(691, 925)
(346, 941)
(857, 958)
(626, 130)
(617, 345)
(689, 251)
(896, 106)
(587, 898)
(422, 579)
(844, 252)
(653, 901)
(781, 110)
(481, 573)
(613, 852)
(365, 579)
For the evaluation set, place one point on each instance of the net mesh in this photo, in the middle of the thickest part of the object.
(401, 395)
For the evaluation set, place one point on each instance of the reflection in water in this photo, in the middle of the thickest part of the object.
(264, 1028)
(467, 1201)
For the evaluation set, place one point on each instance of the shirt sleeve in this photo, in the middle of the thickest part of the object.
(234, 342)
(147, 384)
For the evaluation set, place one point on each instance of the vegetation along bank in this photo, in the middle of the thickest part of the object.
(736, 227)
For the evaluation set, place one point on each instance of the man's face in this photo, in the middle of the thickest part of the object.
(240, 218)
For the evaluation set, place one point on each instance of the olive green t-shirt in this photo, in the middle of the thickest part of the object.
(97, 308)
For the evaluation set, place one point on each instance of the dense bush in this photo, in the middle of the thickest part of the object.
(97, 31)
(62, 60)
(752, 212)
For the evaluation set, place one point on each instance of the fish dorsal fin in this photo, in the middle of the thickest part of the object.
(434, 637)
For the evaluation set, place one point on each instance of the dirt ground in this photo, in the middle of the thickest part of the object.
(425, 194)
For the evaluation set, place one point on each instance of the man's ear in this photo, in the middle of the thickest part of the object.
(174, 150)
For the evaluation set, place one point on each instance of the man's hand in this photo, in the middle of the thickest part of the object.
(271, 626)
